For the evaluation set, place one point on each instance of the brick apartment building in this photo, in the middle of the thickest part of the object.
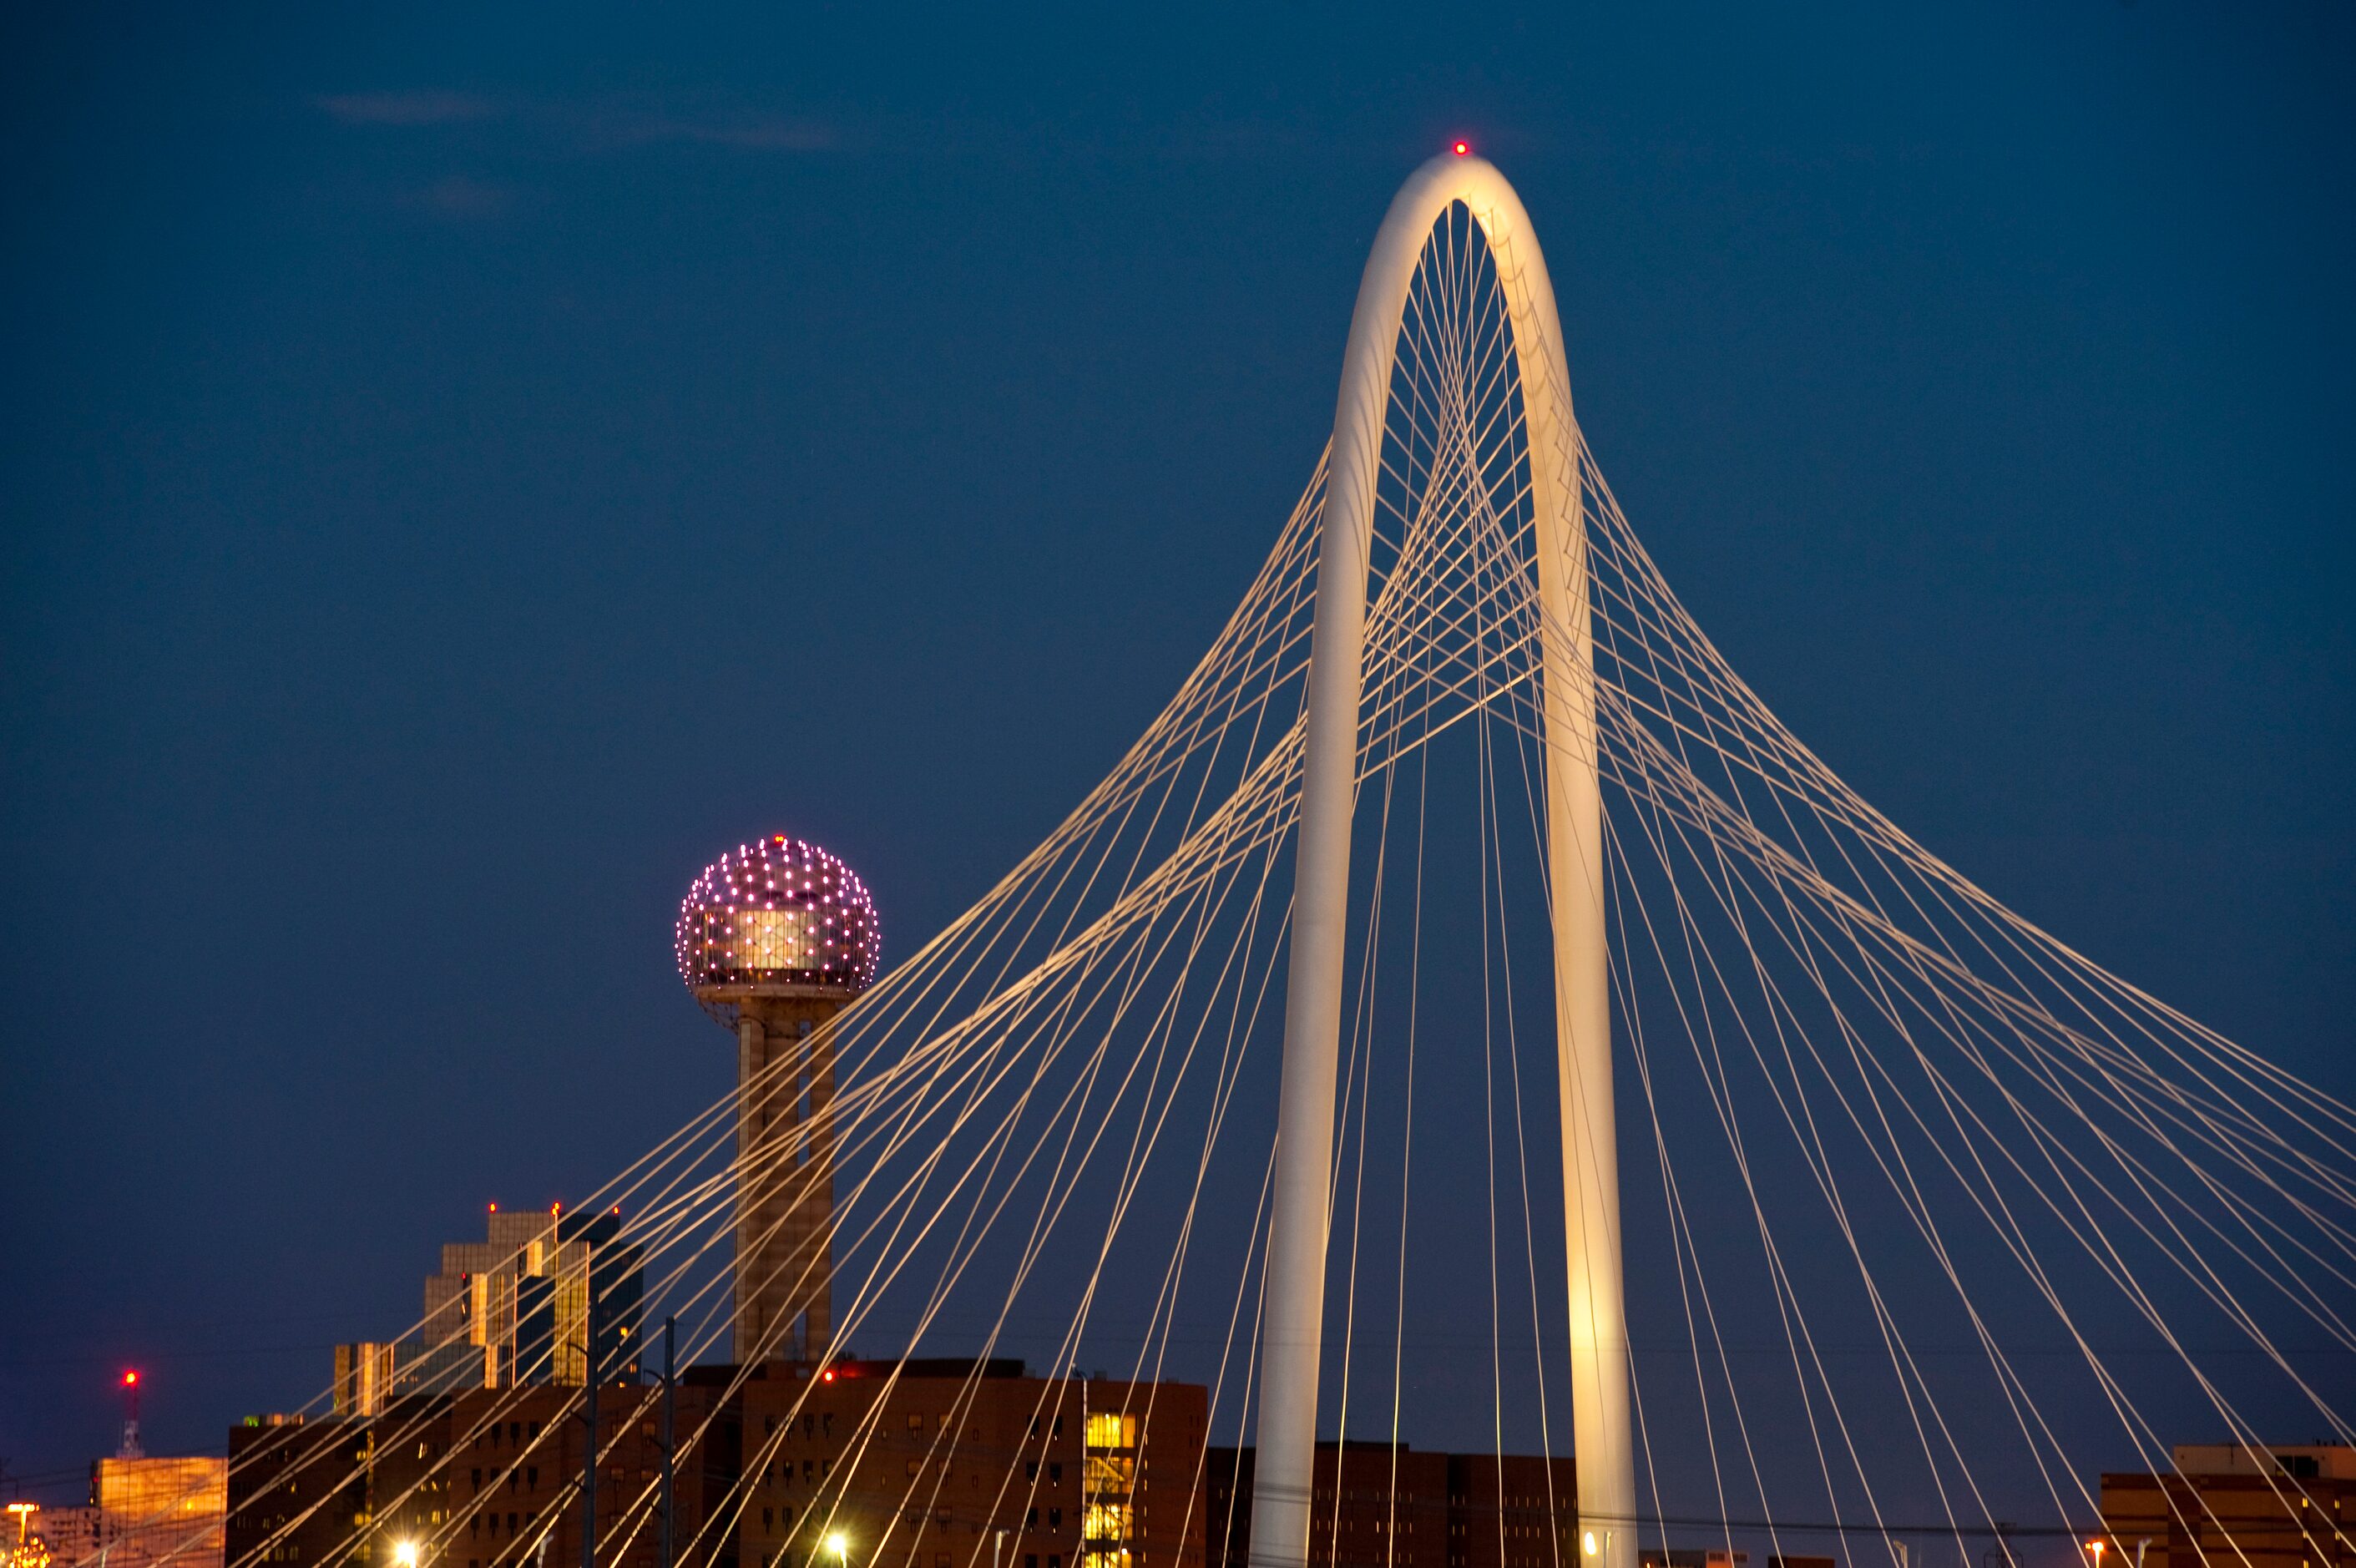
(1378, 1507)
(2237, 1507)
(921, 1465)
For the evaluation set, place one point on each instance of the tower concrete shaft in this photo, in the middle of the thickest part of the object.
(784, 1175)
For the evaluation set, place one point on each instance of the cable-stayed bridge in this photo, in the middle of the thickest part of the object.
(1468, 1015)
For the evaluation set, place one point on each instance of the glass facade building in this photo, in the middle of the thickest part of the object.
(530, 1302)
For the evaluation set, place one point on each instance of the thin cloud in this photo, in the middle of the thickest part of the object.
(429, 107)
(589, 128)
(751, 132)
(459, 197)
(767, 135)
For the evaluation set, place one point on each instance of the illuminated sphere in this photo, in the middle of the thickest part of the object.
(777, 915)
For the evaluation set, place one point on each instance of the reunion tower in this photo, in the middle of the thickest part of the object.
(775, 939)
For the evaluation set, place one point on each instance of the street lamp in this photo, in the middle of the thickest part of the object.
(837, 1545)
(404, 1552)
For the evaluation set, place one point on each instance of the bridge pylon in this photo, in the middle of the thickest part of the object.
(1292, 1321)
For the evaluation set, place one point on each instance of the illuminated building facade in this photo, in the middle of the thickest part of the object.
(144, 1513)
(519, 1306)
(966, 1464)
(173, 1510)
(370, 1372)
(919, 1464)
(535, 1292)
(775, 939)
(2229, 1503)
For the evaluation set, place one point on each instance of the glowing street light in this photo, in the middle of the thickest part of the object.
(405, 1554)
(2095, 1547)
(838, 1546)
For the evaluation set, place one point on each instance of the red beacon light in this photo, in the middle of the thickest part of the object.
(1460, 148)
(131, 1379)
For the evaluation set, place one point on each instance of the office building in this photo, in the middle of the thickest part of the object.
(919, 1465)
(371, 1373)
(1380, 1506)
(142, 1514)
(523, 1306)
(2249, 1507)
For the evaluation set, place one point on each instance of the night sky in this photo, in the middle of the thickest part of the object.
(465, 467)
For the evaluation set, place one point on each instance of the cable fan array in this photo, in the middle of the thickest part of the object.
(1927, 1216)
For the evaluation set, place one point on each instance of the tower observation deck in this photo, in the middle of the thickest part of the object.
(775, 939)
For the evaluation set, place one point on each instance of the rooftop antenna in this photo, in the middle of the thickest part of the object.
(131, 1449)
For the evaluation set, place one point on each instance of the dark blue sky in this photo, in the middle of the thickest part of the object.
(463, 468)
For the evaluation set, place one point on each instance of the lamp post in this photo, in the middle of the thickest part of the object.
(589, 1457)
(670, 1442)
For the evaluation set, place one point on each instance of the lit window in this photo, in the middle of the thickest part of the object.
(1108, 1429)
(775, 938)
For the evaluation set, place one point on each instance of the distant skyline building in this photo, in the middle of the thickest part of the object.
(1380, 1506)
(143, 1512)
(526, 1304)
(919, 1463)
(775, 939)
(370, 1372)
(2288, 1506)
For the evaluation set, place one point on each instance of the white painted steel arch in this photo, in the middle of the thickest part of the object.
(1292, 1321)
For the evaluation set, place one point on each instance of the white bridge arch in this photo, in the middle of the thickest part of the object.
(1292, 1323)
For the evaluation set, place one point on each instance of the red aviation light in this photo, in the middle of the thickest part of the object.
(131, 1379)
(827, 1376)
(1460, 148)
